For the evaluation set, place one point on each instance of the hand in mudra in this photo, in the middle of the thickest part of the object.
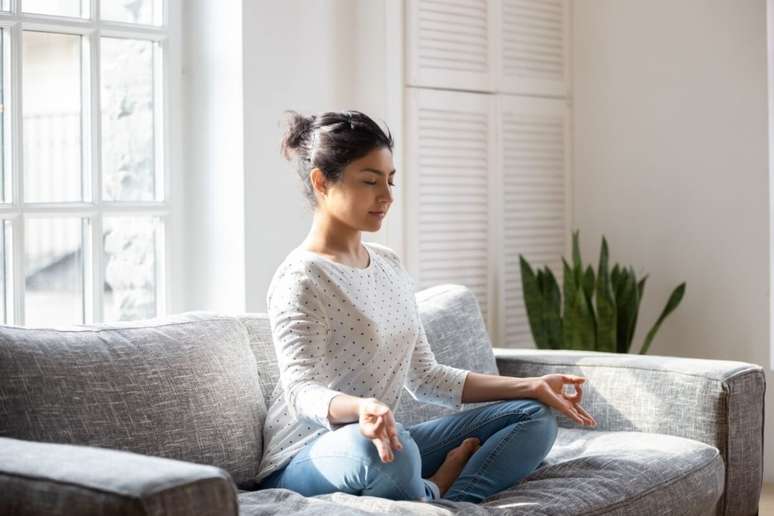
(549, 389)
(378, 424)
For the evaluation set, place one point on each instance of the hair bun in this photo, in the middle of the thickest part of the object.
(298, 129)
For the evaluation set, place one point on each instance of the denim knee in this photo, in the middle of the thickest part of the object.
(405, 471)
(541, 416)
(404, 461)
(545, 420)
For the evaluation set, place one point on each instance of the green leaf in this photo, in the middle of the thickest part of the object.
(606, 311)
(674, 300)
(578, 326)
(533, 300)
(576, 255)
(588, 295)
(553, 305)
(640, 290)
(626, 308)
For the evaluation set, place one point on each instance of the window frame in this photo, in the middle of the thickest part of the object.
(93, 208)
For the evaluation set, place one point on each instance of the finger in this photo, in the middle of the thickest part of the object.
(585, 417)
(384, 454)
(585, 413)
(575, 398)
(392, 430)
(573, 378)
(573, 414)
(378, 424)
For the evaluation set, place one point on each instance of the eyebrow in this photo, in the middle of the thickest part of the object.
(376, 171)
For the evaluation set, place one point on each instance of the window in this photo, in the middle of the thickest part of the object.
(83, 188)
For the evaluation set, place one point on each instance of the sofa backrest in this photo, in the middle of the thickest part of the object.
(454, 327)
(181, 387)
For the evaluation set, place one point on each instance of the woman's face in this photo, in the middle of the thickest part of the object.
(363, 195)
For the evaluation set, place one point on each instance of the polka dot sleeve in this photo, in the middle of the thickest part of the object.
(299, 329)
(431, 382)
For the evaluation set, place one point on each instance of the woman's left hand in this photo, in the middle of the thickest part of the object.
(549, 389)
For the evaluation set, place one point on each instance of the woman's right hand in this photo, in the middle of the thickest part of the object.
(378, 424)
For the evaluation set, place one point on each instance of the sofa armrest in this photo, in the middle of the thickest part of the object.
(717, 402)
(50, 479)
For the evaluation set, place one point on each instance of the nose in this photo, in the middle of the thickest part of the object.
(386, 196)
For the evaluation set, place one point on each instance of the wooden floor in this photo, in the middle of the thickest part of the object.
(767, 500)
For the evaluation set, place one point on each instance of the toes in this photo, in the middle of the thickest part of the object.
(472, 443)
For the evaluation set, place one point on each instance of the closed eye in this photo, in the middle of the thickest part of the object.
(374, 182)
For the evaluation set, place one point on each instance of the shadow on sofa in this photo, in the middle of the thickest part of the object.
(165, 416)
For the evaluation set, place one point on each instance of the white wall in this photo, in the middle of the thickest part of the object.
(671, 165)
(308, 56)
(213, 162)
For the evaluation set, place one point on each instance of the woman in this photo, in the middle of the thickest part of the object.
(348, 337)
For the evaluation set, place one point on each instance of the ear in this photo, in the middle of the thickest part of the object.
(317, 178)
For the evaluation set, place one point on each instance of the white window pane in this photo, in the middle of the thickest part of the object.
(53, 254)
(53, 7)
(132, 11)
(130, 267)
(52, 116)
(127, 120)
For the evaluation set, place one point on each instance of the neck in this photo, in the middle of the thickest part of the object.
(332, 236)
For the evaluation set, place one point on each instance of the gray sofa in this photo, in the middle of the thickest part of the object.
(165, 417)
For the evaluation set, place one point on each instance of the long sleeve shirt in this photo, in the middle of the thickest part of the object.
(341, 329)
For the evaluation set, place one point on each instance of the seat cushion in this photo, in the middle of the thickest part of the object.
(619, 473)
(586, 472)
(181, 387)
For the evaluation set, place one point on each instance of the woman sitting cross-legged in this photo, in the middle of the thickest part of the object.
(348, 338)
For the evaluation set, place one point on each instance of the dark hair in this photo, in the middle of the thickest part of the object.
(330, 141)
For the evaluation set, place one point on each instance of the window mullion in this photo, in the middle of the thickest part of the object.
(95, 109)
(17, 172)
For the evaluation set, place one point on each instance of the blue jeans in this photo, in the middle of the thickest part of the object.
(515, 437)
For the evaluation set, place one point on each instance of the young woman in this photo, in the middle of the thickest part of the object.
(348, 338)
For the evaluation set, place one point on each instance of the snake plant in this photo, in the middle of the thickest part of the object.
(599, 311)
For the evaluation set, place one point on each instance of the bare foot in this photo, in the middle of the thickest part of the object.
(455, 461)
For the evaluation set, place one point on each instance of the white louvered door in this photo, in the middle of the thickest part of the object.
(450, 44)
(533, 47)
(487, 148)
(449, 156)
(533, 139)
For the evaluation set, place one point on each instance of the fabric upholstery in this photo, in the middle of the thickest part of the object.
(717, 402)
(182, 387)
(45, 478)
(674, 433)
(586, 472)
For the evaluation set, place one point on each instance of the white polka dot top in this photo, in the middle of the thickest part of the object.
(341, 329)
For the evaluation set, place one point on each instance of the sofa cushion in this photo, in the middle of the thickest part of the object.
(586, 472)
(619, 473)
(457, 335)
(182, 387)
(259, 332)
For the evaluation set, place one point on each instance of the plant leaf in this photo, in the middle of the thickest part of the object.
(640, 290)
(674, 300)
(626, 307)
(578, 326)
(553, 305)
(533, 300)
(606, 311)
